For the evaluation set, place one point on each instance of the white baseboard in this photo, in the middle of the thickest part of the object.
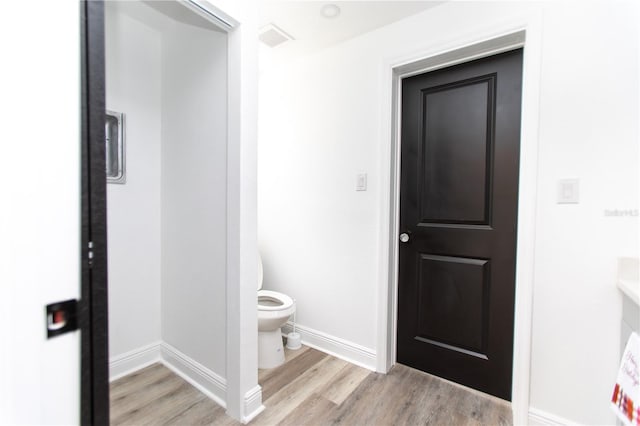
(340, 348)
(253, 404)
(203, 379)
(542, 418)
(199, 376)
(134, 360)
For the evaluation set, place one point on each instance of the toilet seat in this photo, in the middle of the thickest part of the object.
(274, 301)
(274, 310)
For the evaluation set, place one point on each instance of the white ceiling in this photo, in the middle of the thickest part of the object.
(311, 31)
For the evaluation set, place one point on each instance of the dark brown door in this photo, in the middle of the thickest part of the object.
(458, 209)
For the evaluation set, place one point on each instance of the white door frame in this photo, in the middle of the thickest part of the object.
(239, 20)
(523, 31)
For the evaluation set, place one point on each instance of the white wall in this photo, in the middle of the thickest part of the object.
(588, 130)
(320, 124)
(40, 214)
(133, 86)
(167, 224)
(317, 235)
(194, 120)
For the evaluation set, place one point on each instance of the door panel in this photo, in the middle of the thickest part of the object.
(456, 122)
(452, 302)
(458, 203)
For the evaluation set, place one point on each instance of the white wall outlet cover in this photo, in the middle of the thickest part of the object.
(568, 191)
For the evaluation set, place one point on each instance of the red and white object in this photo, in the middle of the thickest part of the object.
(625, 400)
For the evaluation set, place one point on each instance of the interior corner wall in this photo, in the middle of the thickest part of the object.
(133, 59)
(193, 224)
(319, 126)
(167, 223)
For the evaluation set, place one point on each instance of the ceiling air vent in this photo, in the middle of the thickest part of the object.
(273, 36)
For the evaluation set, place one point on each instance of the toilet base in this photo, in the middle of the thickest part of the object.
(270, 349)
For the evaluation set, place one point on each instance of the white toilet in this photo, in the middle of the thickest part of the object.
(274, 310)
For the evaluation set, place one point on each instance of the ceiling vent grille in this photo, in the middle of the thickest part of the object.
(273, 36)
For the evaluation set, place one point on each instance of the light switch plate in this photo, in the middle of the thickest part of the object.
(568, 191)
(361, 182)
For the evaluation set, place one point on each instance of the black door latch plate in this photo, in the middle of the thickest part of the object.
(62, 317)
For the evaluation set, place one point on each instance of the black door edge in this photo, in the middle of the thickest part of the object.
(94, 376)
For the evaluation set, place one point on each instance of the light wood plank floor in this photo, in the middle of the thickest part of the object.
(311, 388)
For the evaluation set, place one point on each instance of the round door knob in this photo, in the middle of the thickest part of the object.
(404, 237)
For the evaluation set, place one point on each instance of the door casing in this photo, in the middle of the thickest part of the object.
(522, 32)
